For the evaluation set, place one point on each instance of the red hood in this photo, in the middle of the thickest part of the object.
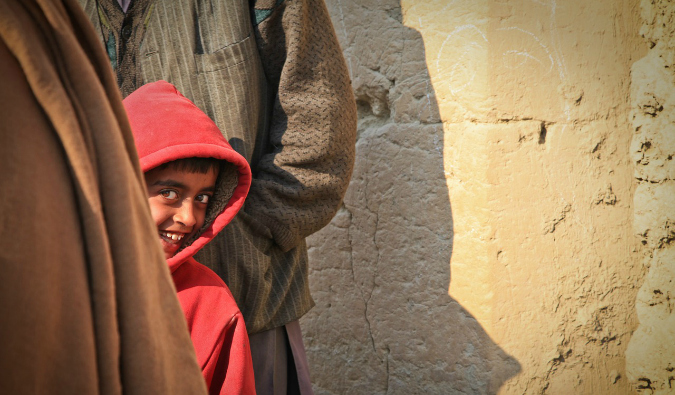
(167, 126)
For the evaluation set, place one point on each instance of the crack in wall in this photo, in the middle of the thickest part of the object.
(351, 266)
(375, 275)
(388, 374)
(356, 283)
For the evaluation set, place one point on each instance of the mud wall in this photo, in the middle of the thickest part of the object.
(510, 214)
(650, 357)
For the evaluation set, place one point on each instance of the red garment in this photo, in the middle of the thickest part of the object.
(167, 126)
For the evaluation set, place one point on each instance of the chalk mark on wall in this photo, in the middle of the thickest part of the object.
(454, 69)
(525, 53)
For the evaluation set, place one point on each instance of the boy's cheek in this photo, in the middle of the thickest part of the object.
(200, 216)
(155, 211)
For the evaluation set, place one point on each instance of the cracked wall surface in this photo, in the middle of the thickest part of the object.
(650, 357)
(487, 242)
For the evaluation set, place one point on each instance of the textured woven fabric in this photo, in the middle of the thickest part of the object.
(277, 86)
(87, 305)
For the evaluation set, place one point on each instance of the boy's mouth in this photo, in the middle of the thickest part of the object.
(171, 237)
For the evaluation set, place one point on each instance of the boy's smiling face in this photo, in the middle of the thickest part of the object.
(178, 201)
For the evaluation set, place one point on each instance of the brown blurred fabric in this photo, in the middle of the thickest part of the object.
(86, 300)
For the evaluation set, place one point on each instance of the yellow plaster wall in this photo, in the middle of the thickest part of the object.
(534, 99)
(650, 357)
(498, 141)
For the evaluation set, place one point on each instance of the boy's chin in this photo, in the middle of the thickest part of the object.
(170, 249)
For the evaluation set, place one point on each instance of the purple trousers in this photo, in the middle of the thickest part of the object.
(280, 362)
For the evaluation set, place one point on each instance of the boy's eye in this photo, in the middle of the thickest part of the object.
(203, 198)
(169, 194)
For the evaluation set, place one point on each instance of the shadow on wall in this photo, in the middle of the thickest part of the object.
(384, 322)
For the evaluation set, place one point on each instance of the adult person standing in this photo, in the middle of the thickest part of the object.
(87, 304)
(271, 74)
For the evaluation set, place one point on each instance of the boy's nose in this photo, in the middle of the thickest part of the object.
(185, 215)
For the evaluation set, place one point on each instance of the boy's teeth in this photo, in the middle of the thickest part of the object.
(172, 236)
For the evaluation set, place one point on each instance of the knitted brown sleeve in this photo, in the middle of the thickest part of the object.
(301, 180)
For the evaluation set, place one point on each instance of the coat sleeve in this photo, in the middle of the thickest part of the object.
(217, 330)
(301, 177)
(233, 372)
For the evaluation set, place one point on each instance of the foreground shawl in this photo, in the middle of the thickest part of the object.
(86, 300)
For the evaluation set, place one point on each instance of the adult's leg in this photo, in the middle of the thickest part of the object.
(269, 355)
(280, 362)
(301, 367)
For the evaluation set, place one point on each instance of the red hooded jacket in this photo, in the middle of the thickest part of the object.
(166, 127)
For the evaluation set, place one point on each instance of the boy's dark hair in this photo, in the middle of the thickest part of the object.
(191, 165)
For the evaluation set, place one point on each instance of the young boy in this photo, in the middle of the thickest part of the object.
(196, 184)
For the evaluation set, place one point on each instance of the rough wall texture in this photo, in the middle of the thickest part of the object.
(488, 240)
(650, 357)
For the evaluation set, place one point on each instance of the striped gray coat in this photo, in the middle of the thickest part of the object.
(273, 78)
